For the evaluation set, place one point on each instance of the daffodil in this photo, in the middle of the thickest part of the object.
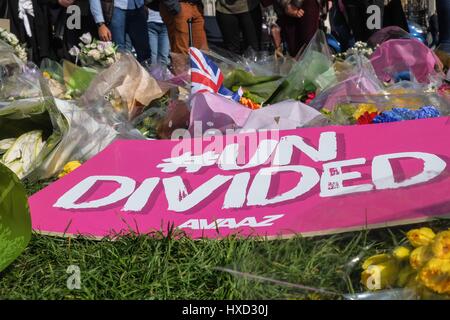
(376, 259)
(401, 253)
(69, 167)
(435, 275)
(381, 275)
(420, 256)
(380, 271)
(420, 237)
(441, 245)
(46, 75)
(405, 275)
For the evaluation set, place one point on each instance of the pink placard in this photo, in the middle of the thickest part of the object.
(308, 181)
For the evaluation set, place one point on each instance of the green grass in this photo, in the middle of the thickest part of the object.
(143, 267)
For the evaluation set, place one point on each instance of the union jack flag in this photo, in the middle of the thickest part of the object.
(207, 77)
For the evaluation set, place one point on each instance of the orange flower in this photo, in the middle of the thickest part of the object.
(249, 103)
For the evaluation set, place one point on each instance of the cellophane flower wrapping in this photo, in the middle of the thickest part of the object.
(31, 124)
(416, 267)
(355, 77)
(397, 56)
(126, 85)
(402, 101)
(315, 61)
(211, 112)
(67, 81)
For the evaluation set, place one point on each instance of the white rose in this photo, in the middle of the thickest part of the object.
(110, 61)
(94, 54)
(109, 50)
(86, 38)
(14, 40)
(74, 51)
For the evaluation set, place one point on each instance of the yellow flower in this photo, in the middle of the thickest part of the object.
(376, 259)
(405, 275)
(436, 275)
(420, 256)
(379, 271)
(363, 108)
(46, 75)
(381, 275)
(401, 253)
(441, 245)
(420, 237)
(69, 167)
(325, 111)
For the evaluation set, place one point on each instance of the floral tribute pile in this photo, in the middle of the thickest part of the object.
(422, 266)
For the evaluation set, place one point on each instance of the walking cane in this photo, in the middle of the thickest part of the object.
(191, 41)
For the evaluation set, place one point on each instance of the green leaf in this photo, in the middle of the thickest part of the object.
(15, 221)
(77, 78)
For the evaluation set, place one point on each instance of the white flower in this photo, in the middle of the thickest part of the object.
(94, 54)
(109, 50)
(74, 51)
(109, 61)
(86, 38)
(13, 40)
(101, 45)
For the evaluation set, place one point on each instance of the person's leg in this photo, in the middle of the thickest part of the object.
(357, 18)
(251, 24)
(394, 15)
(434, 29)
(136, 27)
(163, 45)
(288, 32)
(339, 28)
(230, 29)
(198, 28)
(180, 43)
(117, 27)
(169, 21)
(153, 37)
(443, 11)
(307, 26)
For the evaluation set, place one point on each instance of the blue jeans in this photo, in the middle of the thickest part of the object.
(443, 11)
(159, 42)
(133, 23)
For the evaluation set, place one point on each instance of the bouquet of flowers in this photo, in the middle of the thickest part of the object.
(93, 52)
(422, 266)
(360, 48)
(12, 40)
(368, 113)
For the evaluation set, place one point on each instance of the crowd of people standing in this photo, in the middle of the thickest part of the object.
(154, 28)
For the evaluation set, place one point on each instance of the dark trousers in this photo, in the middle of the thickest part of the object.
(339, 27)
(298, 32)
(247, 23)
(443, 11)
(133, 23)
(393, 15)
(357, 16)
(3, 9)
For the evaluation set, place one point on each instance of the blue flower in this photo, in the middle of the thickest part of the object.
(400, 114)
